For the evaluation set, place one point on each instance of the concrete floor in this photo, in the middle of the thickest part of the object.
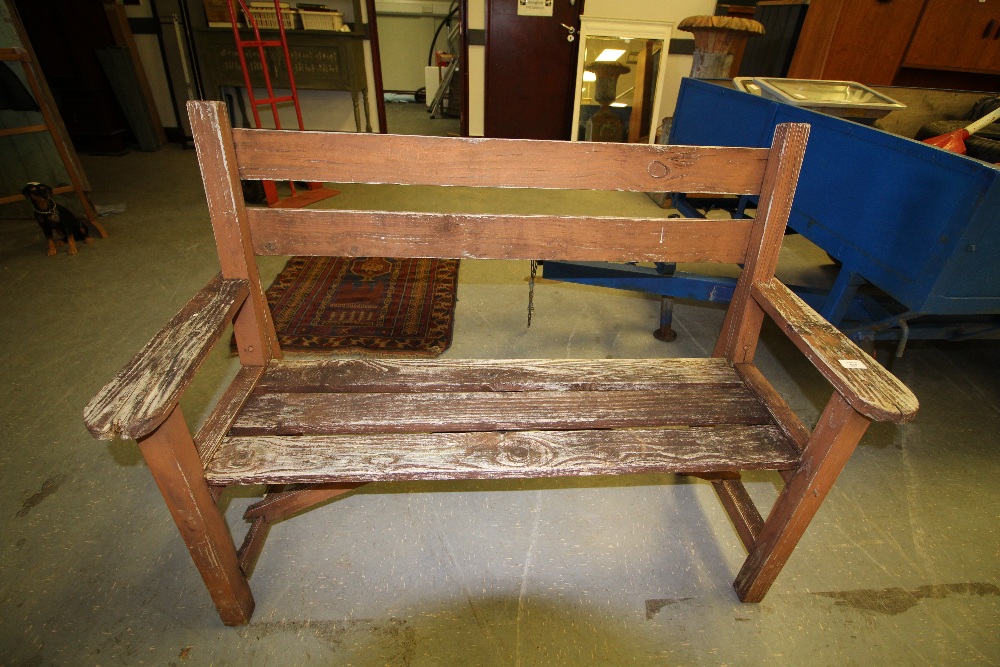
(899, 567)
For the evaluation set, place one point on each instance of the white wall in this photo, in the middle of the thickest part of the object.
(148, 47)
(648, 10)
(477, 72)
(405, 30)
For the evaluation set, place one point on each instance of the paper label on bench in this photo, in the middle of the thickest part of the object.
(852, 363)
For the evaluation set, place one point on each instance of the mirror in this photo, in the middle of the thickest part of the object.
(620, 73)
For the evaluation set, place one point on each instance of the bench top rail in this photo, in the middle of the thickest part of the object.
(499, 163)
(229, 155)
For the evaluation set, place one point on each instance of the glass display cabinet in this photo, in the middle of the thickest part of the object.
(619, 80)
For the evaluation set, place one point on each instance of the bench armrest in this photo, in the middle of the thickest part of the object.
(864, 383)
(144, 392)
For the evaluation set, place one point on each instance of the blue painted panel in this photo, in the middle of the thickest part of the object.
(972, 276)
(679, 285)
(900, 213)
(685, 285)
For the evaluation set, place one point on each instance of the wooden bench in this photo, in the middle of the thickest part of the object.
(312, 430)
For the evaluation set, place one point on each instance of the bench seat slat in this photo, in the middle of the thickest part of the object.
(371, 375)
(492, 455)
(326, 414)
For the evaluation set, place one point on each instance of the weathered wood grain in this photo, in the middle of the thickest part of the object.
(173, 461)
(831, 444)
(144, 392)
(216, 490)
(324, 413)
(425, 375)
(212, 133)
(741, 326)
(253, 544)
(784, 417)
(479, 236)
(866, 385)
(492, 455)
(342, 157)
(740, 508)
(224, 413)
(278, 506)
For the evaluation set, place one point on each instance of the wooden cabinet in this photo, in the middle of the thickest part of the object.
(957, 35)
(855, 40)
(989, 59)
(931, 43)
(321, 60)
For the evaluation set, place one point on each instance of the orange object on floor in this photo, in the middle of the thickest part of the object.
(316, 191)
(954, 141)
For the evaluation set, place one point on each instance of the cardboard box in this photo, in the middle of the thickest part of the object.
(217, 11)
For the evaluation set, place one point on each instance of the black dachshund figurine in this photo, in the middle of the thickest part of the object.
(55, 219)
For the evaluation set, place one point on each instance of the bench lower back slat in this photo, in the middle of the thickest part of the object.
(390, 234)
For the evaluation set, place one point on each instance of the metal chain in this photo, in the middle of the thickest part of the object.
(531, 290)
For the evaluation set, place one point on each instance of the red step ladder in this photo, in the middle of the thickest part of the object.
(315, 191)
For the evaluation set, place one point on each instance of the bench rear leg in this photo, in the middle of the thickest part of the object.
(829, 447)
(173, 460)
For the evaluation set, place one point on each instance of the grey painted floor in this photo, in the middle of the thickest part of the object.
(901, 565)
(413, 118)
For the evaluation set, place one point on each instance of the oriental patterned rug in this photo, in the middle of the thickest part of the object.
(377, 306)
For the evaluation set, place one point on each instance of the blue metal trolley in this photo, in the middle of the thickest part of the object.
(918, 223)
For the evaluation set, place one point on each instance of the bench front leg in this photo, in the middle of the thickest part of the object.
(173, 460)
(831, 444)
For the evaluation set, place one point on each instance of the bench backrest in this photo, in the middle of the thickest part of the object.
(227, 155)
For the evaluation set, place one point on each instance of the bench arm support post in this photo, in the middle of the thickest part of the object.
(864, 391)
(831, 444)
(174, 463)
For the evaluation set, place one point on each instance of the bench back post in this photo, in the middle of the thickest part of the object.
(213, 140)
(741, 328)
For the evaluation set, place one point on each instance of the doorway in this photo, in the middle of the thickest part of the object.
(421, 58)
(531, 52)
(66, 37)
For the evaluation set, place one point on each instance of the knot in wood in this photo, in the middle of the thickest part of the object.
(382, 460)
(269, 246)
(657, 169)
(520, 455)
